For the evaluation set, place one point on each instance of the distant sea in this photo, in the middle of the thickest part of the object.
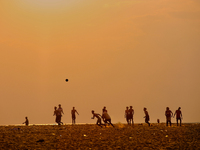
(88, 123)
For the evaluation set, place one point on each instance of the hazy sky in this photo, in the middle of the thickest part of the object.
(115, 53)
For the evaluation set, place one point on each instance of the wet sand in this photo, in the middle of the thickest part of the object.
(48, 137)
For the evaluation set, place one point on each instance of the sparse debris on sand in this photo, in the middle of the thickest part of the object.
(92, 137)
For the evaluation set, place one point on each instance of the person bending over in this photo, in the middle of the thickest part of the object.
(26, 121)
(98, 116)
(106, 118)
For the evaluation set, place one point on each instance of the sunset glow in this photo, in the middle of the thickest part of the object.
(115, 53)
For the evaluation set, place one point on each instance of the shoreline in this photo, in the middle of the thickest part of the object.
(94, 124)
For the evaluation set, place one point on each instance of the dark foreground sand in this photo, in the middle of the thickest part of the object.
(93, 137)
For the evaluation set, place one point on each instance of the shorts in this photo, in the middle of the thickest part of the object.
(58, 118)
(168, 118)
(147, 119)
(98, 121)
(73, 117)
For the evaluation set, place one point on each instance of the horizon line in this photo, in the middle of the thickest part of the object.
(52, 124)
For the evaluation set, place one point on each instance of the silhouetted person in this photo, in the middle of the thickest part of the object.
(98, 116)
(127, 115)
(59, 114)
(158, 120)
(104, 109)
(178, 115)
(131, 113)
(26, 121)
(168, 114)
(147, 118)
(57, 120)
(106, 118)
(73, 112)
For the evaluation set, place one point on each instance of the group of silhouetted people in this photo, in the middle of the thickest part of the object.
(169, 114)
(129, 112)
(58, 113)
(105, 117)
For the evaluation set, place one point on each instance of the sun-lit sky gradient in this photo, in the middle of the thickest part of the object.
(115, 53)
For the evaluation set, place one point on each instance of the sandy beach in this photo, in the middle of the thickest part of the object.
(139, 136)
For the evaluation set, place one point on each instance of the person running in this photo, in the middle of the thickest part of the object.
(131, 113)
(127, 115)
(98, 116)
(178, 115)
(26, 121)
(147, 118)
(59, 114)
(73, 112)
(168, 114)
(106, 118)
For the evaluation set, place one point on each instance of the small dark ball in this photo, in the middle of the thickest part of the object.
(66, 80)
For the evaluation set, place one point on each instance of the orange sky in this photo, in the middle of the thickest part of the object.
(115, 53)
